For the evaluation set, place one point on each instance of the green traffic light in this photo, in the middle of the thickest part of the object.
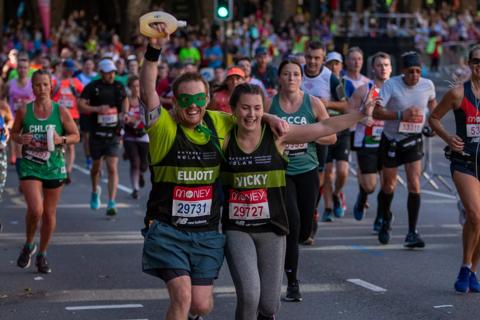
(222, 12)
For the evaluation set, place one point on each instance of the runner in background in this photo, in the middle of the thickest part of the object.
(135, 138)
(6, 123)
(66, 92)
(220, 99)
(404, 103)
(18, 92)
(333, 197)
(320, 82)
(367, 135)
(86, 76)
(105, 99)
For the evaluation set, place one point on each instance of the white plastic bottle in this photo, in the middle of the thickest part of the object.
(170, 21)
(50, 139)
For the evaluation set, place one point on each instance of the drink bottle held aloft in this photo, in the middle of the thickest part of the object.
(170, 22)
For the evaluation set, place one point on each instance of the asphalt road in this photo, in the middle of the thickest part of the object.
(345, 275)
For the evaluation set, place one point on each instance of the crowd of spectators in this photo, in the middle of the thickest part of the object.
(200, 46)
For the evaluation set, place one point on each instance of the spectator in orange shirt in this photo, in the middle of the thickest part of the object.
(221, 96)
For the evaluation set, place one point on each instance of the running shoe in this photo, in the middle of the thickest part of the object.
(135, 194)
(384, 232)
(358, 213)
(463, 280)
(377, 224)
(95, 201)
(327, 215)
(42, 264)
(474, 285)
(111, 208)
(88, 163)
(337, 207)
(141, 181)
(26, 254)
(293, 293)
(413, 240)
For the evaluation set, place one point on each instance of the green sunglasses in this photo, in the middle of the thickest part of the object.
(186, 100)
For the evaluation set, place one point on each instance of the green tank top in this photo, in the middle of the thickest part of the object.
(37, 160)
(301, 157)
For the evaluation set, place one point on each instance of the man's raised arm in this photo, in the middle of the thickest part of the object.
(148, 74)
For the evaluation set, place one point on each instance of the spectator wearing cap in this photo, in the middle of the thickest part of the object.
(221, 96)
(105, 99)
(264, 71)
(66, 91)
(334, 62)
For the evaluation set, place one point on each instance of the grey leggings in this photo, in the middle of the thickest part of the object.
(256, 262)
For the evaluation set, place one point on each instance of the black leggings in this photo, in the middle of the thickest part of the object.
(137, 154)
(302, 193)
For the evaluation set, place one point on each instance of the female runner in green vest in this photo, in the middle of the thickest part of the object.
(42, 172)
(254, 214)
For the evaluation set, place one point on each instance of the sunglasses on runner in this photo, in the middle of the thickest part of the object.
(186, 100)
(475, 61)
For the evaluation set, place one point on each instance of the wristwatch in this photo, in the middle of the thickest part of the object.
(64, 140)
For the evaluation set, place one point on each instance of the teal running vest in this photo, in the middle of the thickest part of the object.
(301, 157)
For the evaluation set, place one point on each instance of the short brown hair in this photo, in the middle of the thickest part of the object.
(380, 54)
(245, 88)
(187, 77)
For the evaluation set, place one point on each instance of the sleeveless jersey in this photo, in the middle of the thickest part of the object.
(467, 120)
(318, 86)
(369, 136)
(184, 184)
(254, 187)
(18, 96)
(66, 92)
(301, 157)
(37, 160)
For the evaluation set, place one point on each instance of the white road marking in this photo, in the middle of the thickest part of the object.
(443, 306)
(77, 296)
(99, 307)
(87, 172)
(367, 285)
(439, 194)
